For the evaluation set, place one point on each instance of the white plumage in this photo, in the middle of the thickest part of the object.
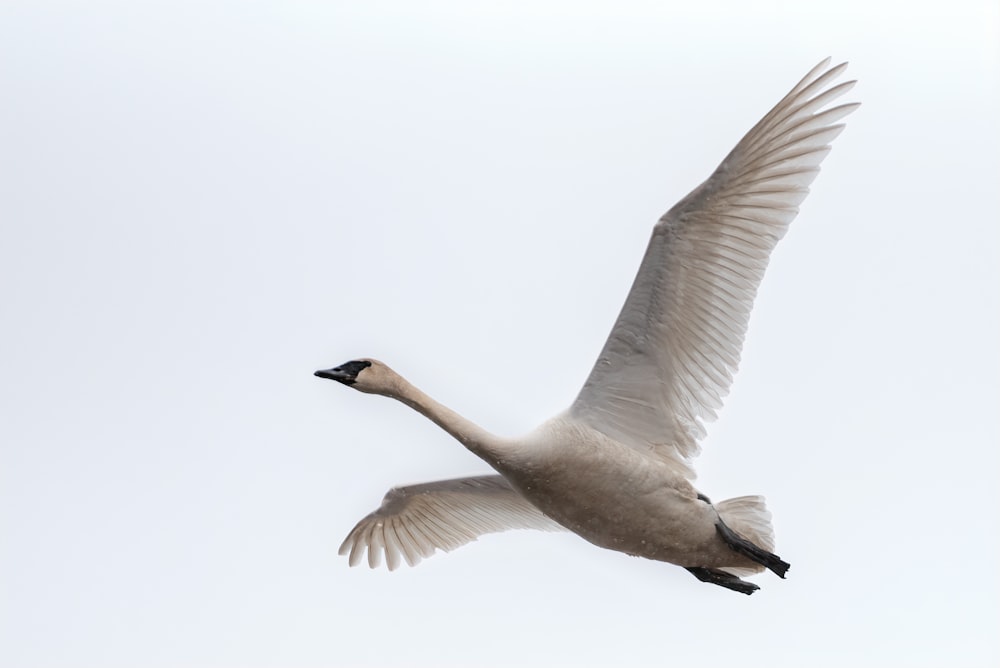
(616, 467)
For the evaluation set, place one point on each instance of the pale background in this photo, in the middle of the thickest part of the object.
(203, 202)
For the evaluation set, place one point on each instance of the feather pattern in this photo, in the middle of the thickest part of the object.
(416, 520)
(672, 353)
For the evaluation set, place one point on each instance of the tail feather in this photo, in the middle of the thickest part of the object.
(749, 517)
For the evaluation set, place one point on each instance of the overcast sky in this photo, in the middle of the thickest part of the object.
(203, 202)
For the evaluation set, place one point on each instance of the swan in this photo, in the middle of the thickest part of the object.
(616, 467)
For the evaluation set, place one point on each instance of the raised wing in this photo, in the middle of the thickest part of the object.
(672, 353)
(413, 521)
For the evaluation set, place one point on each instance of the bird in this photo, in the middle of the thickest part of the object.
(615, 468)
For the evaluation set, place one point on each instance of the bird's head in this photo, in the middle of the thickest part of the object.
(364, 375)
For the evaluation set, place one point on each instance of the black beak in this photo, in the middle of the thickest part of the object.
(336, 374)
(346, 373)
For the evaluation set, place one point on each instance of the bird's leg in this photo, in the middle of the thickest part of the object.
(738, 543)
(723, 579)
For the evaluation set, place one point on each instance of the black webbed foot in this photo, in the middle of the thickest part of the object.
(723, 579)
(738, 543)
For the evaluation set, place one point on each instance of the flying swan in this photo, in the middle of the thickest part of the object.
(615, 468)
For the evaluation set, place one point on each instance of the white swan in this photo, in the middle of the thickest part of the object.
(616, 467)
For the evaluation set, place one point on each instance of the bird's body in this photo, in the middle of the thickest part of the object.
(615, 468)
(615, 497)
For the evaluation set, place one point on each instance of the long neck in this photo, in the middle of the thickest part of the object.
(481, 442)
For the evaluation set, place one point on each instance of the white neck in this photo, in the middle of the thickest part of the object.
(489, 447)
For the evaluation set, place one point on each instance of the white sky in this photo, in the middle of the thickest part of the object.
(203, 202)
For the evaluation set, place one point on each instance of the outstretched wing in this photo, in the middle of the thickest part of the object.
(413, 521)
(672, 353)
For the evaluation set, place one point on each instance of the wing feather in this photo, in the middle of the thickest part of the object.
(414, 521)
(672, 353)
